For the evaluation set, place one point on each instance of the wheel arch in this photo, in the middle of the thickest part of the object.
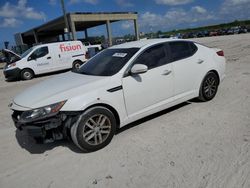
(112, 109)
(215, 72)
(27, 68)
(77, 60)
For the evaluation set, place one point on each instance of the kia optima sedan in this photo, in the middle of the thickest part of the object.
(119, 85)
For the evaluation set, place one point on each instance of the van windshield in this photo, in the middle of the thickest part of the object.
(108, 62)
(26, 52)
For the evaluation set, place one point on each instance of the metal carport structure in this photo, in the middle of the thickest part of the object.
(78, 21)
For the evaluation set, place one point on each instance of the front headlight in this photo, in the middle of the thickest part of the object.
(43, 112)
(11, 65)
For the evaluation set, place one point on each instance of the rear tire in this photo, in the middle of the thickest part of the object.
(27, 74)
(94, 129)
(209, 87)
(76, 65)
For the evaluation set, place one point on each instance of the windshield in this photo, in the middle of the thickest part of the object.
(27, 52)
(107, 62)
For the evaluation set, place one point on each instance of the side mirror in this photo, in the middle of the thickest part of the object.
(31, 58)
(139, 69)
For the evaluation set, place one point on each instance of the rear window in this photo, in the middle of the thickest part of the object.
(107, 62)
(181, 49)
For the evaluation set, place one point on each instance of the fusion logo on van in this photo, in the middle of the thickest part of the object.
(64, 48)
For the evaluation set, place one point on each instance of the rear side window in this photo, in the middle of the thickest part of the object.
(193, 48)
(181, 49)
(153, 57)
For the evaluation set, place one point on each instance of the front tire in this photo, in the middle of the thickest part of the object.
(209, 87)
(27, 74)
(94, 129)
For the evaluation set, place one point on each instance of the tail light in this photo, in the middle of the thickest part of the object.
(220, 53)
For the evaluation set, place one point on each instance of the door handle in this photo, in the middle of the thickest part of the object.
(48, 57)
(200, 61)
(166, 72)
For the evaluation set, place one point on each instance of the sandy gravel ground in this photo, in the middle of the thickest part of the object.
(193, 145)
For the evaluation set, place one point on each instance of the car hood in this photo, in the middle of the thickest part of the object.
(59, 88)
(15, 56)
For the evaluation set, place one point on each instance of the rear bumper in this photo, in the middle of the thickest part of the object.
(12, 73)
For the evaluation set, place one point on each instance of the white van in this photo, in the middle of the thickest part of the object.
(47, 58)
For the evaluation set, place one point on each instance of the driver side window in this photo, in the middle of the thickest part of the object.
(153, 57)
(40, 52)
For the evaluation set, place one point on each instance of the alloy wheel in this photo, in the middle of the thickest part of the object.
(210, 87)
(27, 75)
(96, 129)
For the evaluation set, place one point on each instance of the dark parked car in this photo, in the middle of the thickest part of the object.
(242, 29)
(200, 34)
(230, 32)
(222, 31)
(213, 33)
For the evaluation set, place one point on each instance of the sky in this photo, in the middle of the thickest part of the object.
(153, 15)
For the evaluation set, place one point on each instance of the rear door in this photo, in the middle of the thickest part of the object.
(143, 92)
(188, 66)
(64, 52)
(68, 52)
(80, 52)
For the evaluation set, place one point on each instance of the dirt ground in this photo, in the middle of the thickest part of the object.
(193, 145)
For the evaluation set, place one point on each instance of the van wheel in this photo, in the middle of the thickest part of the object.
(76, 65)
(27, 74)
(209, 87)
(94, 129)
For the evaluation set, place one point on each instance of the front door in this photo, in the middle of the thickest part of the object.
(41, 61)
(143, 92)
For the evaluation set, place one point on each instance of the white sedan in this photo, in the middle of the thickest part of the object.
(118, 86)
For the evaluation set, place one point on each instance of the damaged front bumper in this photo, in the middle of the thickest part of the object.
(48, 129)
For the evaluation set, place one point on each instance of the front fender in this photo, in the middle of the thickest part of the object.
(113, 99)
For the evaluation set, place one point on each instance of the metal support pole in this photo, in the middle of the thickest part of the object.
(65, 19)
(35, 36)
(136, 29)
(73, 29)
(109, 32)
(86, 34)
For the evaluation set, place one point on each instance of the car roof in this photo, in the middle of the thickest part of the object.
(143, 43)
